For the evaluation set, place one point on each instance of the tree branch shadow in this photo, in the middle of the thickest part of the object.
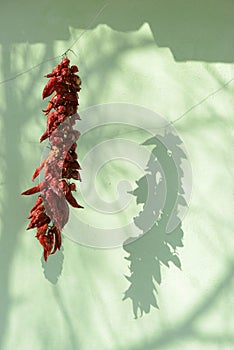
(12, 210)
(186, 328)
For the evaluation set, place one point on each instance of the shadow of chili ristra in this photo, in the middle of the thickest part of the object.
(156, 247)
(52, 268)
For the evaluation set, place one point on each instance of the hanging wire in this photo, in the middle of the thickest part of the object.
(89, 26)
(201, 101)
(28, 70)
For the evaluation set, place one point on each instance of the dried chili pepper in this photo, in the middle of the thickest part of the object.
(50, 213)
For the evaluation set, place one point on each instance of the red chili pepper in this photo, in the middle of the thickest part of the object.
(44, 136)
(47, 241)
(49, 88)
(38, 202)
(76, 175)
(42, 229)
(35, 189)
(57, 237)
(74, 69)
(72, 199)
(39, 219)
(37, 209)
(65, 62)
(72, 186)
(38, 170)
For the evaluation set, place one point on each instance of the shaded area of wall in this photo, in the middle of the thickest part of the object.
(191, 30)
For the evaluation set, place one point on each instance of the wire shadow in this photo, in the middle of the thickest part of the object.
(161, 192)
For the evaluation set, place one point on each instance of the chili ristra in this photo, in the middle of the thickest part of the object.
(51, 212)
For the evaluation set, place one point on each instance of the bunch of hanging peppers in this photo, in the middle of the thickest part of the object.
(50, 213)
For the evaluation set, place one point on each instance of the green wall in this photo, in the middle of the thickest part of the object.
(175, 59)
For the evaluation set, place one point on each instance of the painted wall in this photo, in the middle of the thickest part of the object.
(175, 60)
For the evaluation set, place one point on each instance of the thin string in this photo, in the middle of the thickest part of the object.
(89, 26)
(28, 70)
(59, 56)
(201, 101)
